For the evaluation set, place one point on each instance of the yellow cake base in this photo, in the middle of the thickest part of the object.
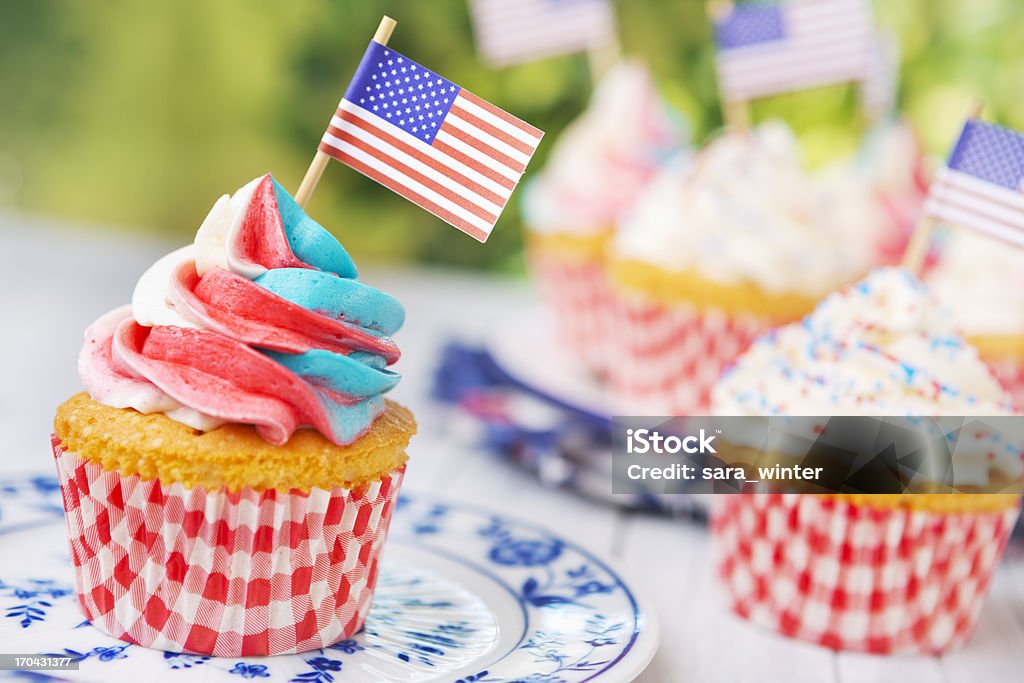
(690, 287)
(996, 347)
(942, 503)
(232, 456)
(570, 246)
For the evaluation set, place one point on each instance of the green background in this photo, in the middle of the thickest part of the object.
(140, 114)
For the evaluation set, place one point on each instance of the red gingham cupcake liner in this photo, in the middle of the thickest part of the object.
(218, 573)
(578, 295)
(1010, 373)
(851, 577)
(668, 358)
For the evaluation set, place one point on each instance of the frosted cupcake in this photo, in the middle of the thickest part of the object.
(982, 280)
(719, 250)
(882, 573)
(230, 472)
(595, 172)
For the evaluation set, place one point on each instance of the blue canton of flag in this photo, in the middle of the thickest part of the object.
(429, 140)
(990, 153)
(981, 185)
(750, 26)
(402, 92)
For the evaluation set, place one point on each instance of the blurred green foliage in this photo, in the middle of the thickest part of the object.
(141, 113)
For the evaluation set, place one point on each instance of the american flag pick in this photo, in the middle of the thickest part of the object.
(768, 49)
(436, 144)
(981, 185)
(513, 31)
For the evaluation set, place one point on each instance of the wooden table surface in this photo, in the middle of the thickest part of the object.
(55, 281)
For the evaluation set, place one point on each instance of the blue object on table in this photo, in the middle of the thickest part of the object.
(562, 446)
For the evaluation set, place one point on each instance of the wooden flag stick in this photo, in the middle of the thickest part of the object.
(737, 115)
(735, 112)
(320, 160)
(921, 239)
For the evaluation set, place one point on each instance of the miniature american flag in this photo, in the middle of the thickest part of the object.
(767, 49)
(981, 186)
(430, 141)
(512, 31)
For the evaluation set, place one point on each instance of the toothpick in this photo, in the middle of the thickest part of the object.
(320, 160)
(735, 112)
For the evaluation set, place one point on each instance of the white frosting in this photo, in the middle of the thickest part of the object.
(604, 157)
(217, 238)
(150, 304)
(215, 246)
(982, 280)
(745, 209)
(880, 347)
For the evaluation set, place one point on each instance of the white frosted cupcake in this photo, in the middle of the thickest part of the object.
(722, 249)
(595, 171)
(874, 573)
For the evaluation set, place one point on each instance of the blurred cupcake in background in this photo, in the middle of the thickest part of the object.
(893, 161)
(982, 280)
(874, 573)
(722, 249)
(595, 172)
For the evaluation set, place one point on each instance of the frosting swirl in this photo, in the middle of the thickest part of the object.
(605, 156)
(879, 347)
(260, 321)
(746, 210)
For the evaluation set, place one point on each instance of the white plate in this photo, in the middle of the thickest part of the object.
(465, 595)
(524, 348)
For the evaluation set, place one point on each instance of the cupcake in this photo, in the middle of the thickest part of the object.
(231, 469)
(982, 280)
(596, 170)
(901, 573)
(718, 251)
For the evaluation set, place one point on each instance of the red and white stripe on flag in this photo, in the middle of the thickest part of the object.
(513, 31)
(961, 199)
(439, 146)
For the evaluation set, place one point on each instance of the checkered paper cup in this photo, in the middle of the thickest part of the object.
(668, 358)
(577, 293)
(849, 577)
(1010, 373)
(218, 573)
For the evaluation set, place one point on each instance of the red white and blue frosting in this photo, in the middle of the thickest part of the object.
(261, 321)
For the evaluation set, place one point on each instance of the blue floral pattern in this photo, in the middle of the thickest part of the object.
(249, 671)
(577, 618)
(34, 597)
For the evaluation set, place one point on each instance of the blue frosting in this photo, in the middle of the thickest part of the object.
(332, 290)
(311, 242)
(336, 297)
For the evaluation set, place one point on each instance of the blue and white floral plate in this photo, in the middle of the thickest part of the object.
(465, 595)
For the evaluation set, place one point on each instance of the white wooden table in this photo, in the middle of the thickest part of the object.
(53, 282)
